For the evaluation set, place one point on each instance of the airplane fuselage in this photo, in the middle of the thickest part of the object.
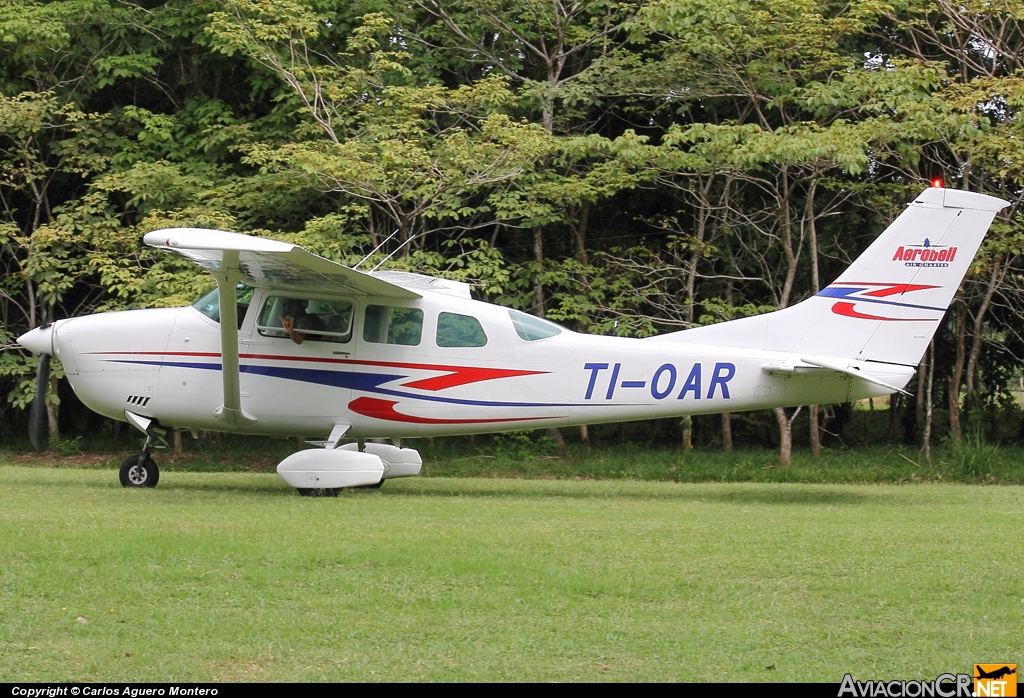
(164, 364)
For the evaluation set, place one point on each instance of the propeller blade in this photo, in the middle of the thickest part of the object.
(37, 417)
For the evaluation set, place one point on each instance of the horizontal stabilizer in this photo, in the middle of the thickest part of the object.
(852, 370)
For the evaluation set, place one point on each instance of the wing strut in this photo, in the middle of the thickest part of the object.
(228, 276)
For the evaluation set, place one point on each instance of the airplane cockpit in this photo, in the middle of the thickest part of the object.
(319, 320)
(334, 321)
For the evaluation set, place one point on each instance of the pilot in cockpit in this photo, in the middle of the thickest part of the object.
(297, 322)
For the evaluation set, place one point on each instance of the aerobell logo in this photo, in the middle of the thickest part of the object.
(925, 255)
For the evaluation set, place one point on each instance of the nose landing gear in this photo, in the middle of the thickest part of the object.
(139, 471)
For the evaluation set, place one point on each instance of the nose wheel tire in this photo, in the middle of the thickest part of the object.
(135, 474)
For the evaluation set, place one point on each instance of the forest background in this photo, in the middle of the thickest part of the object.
(624, 168)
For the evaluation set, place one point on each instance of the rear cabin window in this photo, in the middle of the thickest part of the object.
(459, 331)
(317, 320)
(386, 324)
(532, 328)
(209, 304)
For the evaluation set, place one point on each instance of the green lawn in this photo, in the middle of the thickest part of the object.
(232, 576)
(519, 456)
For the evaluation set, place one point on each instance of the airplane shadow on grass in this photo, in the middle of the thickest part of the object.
(473, 488)
(487, 488)
(664, 492)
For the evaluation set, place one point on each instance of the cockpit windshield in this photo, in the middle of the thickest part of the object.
(209, 304)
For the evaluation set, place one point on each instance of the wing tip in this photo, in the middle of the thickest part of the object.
(212, 239)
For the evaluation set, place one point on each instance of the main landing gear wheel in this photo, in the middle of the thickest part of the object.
(135, 474)
(318, 491)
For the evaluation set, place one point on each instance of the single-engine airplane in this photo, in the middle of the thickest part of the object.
(293, 344)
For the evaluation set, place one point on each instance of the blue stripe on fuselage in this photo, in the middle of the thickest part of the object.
(354, 380)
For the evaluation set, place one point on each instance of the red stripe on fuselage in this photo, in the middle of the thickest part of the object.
(454, 375)
(385, 409)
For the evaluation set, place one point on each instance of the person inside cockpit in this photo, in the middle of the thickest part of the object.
(297, 322)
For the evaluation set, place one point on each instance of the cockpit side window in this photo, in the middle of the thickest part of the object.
(532, 328)
(459, 331)
(318, 320)
(209, 304)
(385, 324)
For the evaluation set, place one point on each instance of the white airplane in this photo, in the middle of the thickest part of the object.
(292, 344)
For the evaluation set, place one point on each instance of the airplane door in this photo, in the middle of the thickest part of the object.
(299, 388)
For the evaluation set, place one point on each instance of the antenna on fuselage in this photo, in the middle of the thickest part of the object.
(374, 250)
(411, 238)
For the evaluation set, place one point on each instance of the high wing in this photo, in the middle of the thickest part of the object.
(270, 263)
(232, 257)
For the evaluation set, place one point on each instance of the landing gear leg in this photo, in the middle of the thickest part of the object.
(361, 445)
(140, 470)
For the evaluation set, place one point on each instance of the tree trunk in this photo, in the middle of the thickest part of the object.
(998, 271)
(927, 440)
(585, 436)
(895, 401)
(919, 398)
(726, 432)
(955, 431)
(559, 441)
(703, 214)
(786, 237)
(815, 432)
(538, 257)
(52, 407)
(687, 424)
(579, 232)
(178, 448)
(53, 411)
(785, 438)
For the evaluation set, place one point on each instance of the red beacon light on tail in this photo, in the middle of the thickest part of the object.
(937, 183)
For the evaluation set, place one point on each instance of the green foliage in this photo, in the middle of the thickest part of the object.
(67, 447)
(974, 458)
(669, 158)
(521, 446)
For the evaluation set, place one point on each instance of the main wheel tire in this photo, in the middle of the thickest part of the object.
(134, 474)
(318, 491)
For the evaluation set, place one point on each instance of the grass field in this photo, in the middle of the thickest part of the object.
(516, 456)
(232, 576)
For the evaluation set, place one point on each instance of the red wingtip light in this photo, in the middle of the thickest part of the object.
(937, 183)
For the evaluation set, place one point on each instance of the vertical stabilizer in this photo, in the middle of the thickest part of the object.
(887, 305)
